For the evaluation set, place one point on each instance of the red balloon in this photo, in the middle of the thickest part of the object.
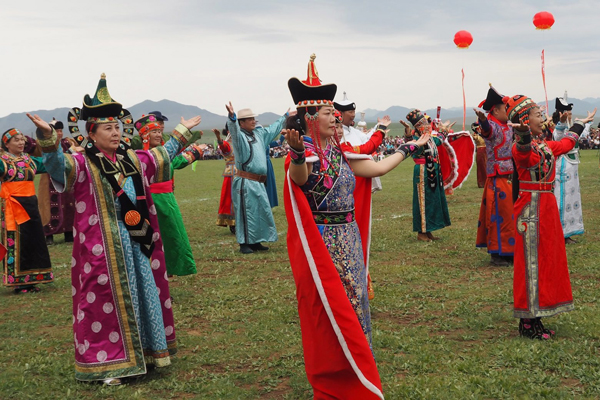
(543, 20)
(463, 39)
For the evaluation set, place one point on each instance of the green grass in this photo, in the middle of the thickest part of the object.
(442, 317)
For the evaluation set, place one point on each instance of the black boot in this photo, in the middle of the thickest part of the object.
(68, 237)
(258, 246)
(547, 331)
(509, 259)
(232, 229)
(245, 249)
(49, 240)
(498, 261)
(532, 329)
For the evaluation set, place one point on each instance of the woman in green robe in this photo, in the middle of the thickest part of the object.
(178, 252)
(430, 209)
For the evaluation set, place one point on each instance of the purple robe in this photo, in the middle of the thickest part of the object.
(106, 335)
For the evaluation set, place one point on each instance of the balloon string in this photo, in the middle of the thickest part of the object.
(544, 80)
(465, 99)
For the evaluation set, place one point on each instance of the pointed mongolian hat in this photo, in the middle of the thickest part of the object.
(311, 93)
(493, 98)
(102, 108)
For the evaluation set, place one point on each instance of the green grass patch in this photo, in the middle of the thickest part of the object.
(442, 317)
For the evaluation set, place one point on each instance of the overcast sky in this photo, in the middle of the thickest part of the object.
(202, 53)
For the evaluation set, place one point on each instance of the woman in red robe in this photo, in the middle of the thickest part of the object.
(325, 247)
(541, 286)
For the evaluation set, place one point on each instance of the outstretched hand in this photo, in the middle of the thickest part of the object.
(217, 132)
(291, 112)
(408, 131)
(521, 127)
(40, 124)
(192, 122)
(590, 117)
(446, 126)
(423, 139)
(294, 139)
(564, 116)
(480, 114)
(230, 111)
(385, 121)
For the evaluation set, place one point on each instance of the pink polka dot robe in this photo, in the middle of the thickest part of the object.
(106, 335)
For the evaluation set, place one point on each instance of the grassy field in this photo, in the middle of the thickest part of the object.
(442, 317)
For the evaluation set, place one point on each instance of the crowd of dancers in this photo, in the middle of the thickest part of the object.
(116, 204)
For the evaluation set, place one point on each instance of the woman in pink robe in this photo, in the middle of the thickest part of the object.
(122, 315)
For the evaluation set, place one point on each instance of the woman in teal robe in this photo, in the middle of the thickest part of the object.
(430, 208)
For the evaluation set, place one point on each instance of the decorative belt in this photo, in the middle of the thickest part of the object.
(162, 187)
(507, 176)
(15, 213)
(251, 176)
(333, 217)
(536, 186)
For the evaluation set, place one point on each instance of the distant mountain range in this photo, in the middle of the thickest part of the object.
(397, 113)
(173, 110)
(210, 120)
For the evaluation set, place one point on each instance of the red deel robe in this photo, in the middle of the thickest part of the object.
(338, 360)
(541, 285)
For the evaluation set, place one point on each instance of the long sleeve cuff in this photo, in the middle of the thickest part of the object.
(560, 126)
(523, 141)
(182, 134)
(575, 131)
(47, 143)
(486, 128)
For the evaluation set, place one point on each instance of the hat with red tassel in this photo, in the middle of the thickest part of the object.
(310, 92)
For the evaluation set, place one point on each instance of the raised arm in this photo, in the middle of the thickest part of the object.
(376, 137)
(234, 127)
(188, 156)
(561, 126)
(299, 169)
(567, 143)
(275, 128)
(372, 169)
(181, 136)
(60, 166)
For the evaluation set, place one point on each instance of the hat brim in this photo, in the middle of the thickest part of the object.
(301, 92)
(560, 106)
(159, 116)
(100, 111)
(493, 98)
(344, 107)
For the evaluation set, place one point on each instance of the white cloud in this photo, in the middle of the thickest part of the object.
(205, 53)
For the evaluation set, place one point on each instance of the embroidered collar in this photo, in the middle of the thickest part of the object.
(121, 164)
(502, 124)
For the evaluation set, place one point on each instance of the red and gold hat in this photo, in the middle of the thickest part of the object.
(310, 92)
(146, 124)
(520, 105)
